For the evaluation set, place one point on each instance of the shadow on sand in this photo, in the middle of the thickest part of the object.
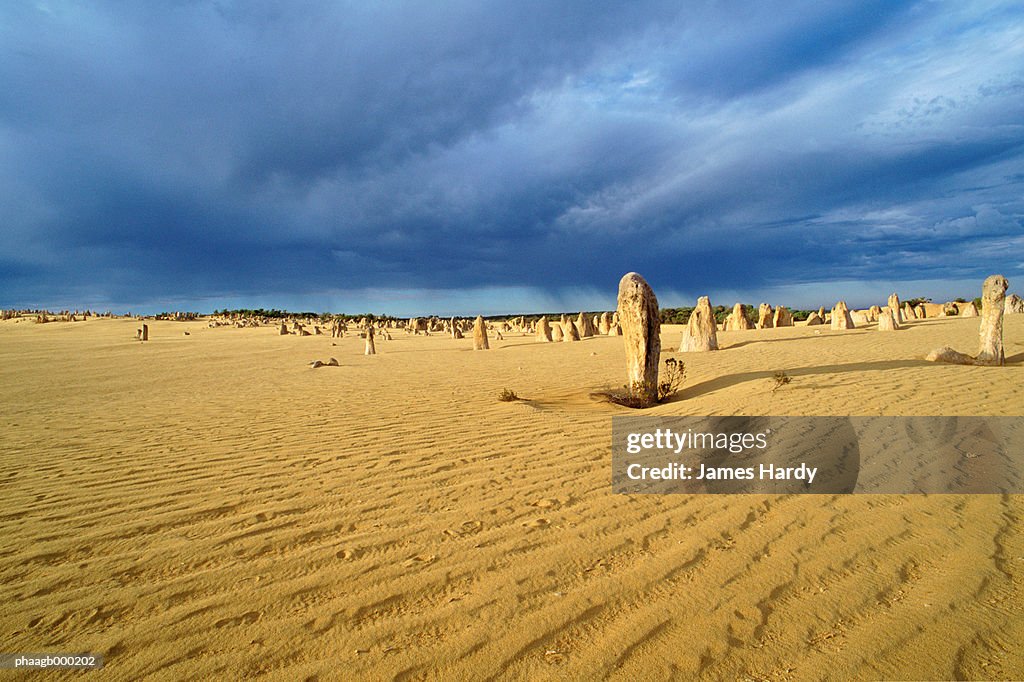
(729, 380)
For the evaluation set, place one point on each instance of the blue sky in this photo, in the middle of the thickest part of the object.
(466, 157)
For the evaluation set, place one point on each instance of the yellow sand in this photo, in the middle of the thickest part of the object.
(209, 506)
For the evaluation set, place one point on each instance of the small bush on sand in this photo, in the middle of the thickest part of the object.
(781, 379)
(672, 382)
(638, 396)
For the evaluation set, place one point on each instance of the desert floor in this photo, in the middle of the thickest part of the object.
(210, 506)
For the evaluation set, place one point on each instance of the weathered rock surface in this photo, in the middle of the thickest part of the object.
(480, 334)
(701, 331)
(641, 331)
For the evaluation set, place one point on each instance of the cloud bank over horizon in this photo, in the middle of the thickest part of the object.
(500, 157)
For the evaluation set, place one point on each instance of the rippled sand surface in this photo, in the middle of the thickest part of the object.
(209, 506)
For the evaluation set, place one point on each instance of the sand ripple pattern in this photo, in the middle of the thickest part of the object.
(209, 506)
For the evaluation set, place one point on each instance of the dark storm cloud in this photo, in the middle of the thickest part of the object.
(754, 46)
(216, 151)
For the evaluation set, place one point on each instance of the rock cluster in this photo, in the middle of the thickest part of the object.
(990, 352)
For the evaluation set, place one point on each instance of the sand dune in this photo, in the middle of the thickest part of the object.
(208, 505)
